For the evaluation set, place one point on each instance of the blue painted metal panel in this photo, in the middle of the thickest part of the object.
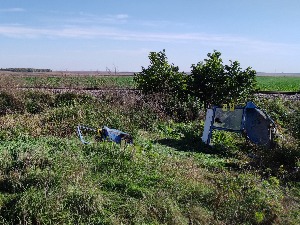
(248, 119)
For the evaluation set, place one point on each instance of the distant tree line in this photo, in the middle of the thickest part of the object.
(25, 70)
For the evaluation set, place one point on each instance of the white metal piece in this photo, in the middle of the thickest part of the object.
(207, 126)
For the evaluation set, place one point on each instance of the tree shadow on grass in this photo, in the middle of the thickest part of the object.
(186, 144)
(193, 143)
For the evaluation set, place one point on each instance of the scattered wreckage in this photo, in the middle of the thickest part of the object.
(250, 120)
(102, 134)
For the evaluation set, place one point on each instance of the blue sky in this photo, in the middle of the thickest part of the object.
(100, 34)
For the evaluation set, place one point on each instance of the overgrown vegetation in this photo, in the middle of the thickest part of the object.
(210, 82)
(47, 176)
(164, 80)
(215, 83)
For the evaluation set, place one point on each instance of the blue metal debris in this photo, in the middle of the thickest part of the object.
(104, 134)
(250, 120)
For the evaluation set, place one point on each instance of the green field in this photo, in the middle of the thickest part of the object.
(277, 83)
(46, 80)
(47, 176)
(74, 82)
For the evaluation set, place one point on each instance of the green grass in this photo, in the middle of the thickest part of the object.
(79, 82)
(278, 83)
(265, 83)
(76, 82)
(47, 176)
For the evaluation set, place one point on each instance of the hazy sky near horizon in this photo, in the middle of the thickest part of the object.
(100, 34)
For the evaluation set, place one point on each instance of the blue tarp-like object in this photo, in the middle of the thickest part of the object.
(105, 133)
(251, 120)
(114, 135)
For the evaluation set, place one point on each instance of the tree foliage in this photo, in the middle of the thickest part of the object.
(163, 83)
(215, 83)
(210, 82)
(161, 77)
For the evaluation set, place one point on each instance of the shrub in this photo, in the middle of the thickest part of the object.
(36, 102)
(215, 83)
(10, 103)
(161, 77)
(67, 99)
(210, 82)
(165, 80)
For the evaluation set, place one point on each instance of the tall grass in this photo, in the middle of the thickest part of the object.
(47, 176)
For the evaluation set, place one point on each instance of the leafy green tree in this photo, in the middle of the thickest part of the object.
(215, 83)
(161, 77)
(163, 82)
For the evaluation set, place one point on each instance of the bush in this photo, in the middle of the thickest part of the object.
(161, 77)
(36, 102)
(210, 82)
(215, 83)
(165, 80)
(10, 103)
